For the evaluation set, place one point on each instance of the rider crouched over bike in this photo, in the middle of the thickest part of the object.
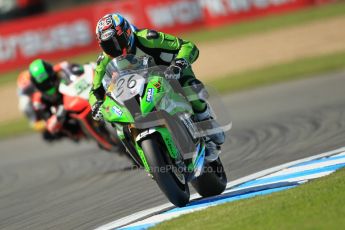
(46, 79)
(116, 37)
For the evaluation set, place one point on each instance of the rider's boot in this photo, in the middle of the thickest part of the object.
(215, 134)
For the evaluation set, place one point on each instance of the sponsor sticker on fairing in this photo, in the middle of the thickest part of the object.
(157, 85)
(117, 111)
(150, 93)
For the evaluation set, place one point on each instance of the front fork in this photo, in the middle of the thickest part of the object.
(166, 137)
(133, 146)
(123, 133)
(133, 142)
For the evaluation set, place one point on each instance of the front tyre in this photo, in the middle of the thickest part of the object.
(161, 170)
(212, 181)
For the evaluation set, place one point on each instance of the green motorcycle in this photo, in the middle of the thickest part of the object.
(154, 121)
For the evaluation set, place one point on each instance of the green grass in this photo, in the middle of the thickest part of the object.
(240, 29)
(319, 204)
(14, 128)
(302, 68)
(269, 23)
(9, 78)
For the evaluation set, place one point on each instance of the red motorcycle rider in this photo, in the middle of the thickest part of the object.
(29, 103)
(46, 79)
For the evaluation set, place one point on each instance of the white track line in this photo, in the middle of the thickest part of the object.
(305, 167)
(135, 216)
(282, 166)
(165, 216)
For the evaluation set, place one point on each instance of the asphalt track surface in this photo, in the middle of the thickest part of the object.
(76, 186)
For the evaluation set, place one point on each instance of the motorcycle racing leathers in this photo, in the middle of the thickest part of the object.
(165, 50)
(57, 124)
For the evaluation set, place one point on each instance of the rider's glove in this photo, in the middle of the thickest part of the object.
(96, 111)
(175, 69)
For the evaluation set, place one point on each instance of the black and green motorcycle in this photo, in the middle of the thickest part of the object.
(154, 121)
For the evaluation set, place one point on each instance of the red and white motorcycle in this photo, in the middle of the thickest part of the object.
(75, 91)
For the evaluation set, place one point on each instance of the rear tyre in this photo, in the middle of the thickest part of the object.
(161, 170)
(213, 180)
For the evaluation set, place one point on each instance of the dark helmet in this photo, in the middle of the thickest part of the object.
(115, 35)
(43, 77)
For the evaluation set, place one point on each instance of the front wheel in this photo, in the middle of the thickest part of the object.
(212, 181)
(162, 171)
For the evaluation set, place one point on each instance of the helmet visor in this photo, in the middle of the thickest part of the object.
(111, 47)
(46, 86)
(116, 42)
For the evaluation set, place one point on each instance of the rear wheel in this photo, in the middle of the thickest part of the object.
(162, 171)
(213, 180)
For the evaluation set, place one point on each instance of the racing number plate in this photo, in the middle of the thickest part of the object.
(128, 86)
